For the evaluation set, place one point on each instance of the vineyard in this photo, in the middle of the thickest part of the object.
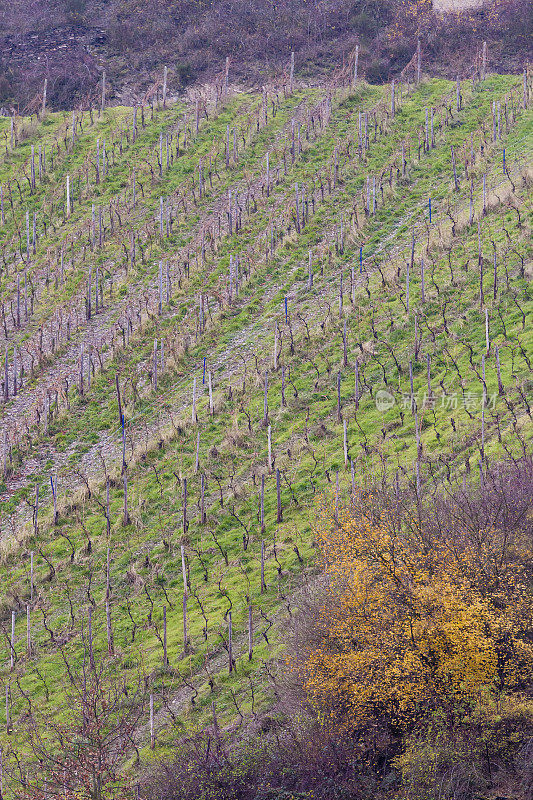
(215, 313)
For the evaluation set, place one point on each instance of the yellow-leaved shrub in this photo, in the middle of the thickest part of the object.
(412, 620)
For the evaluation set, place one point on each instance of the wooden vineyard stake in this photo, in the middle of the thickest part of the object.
(12, 642)
(230, 642)
(8, 710)
(165, 658)
(185, 634)
(263, 584)
(184, 570)
(345, 443)
(197, 460)
(36, 513)
(250, 632)
(265, 400)
(500, 384)
(480, 264)
(215, 724)
(344, 346)
(90, 637)
(454, 167)
(126, 516)
(28, 633)
(194, 417)
(210, 388)
(262, 505)
(152, 734)
(337, 497)
(278, 493)
(109, 629)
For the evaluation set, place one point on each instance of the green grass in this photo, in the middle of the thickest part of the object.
(238, 344)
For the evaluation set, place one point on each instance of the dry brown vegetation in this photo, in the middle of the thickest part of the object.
(70, 41)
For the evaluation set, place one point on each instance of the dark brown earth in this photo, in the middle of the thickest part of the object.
(70, 42)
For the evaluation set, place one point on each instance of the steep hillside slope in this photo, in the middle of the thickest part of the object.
(213, 313)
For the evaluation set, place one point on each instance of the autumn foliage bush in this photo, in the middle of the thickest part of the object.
(409, 673)
(417, 617)
(424, 630)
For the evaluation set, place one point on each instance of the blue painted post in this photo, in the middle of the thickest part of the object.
(429, 210)
(504, 160)
(286, 311)
(203, 376)
(360, 261)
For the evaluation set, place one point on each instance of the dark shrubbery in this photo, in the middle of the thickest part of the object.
(185, 74)
(291, 765)
(378, 71)
(259, 37)
(6, 88)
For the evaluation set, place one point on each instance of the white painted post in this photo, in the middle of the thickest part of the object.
(43, 107)
(291, 79)
(356, 64)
